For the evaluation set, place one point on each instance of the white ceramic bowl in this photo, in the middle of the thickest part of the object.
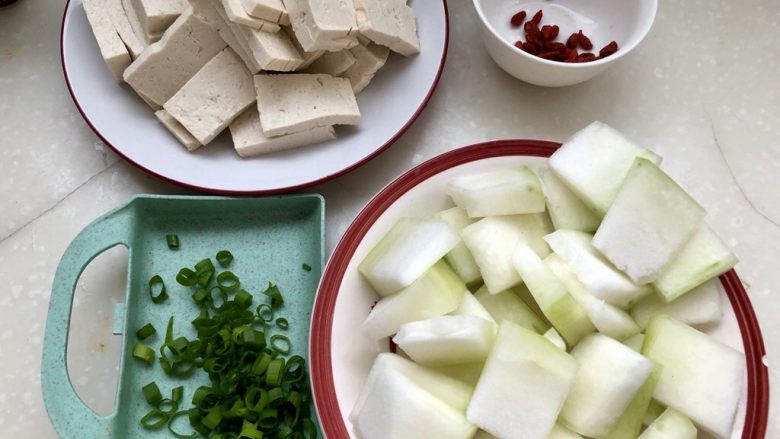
(626, 22)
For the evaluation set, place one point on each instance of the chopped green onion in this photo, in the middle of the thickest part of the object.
(173, 241)
(275, 295)
(157, 289)
(267, 418)
(172, 420)
(275, 372)
(168, 406)
(224, 258)
(280, 344)
(282, 323)
(145, 332)
(143, 352)
(265, 313)
(243, 299)
(295, 369)
(219, 300)
(154, 420)
(227, 281)
(204, 266)
(261, 364)
(177, 393)
(249, 431)
(186, 277)
(307, 267)
(200, 295)
(213, 418)
(152, 393)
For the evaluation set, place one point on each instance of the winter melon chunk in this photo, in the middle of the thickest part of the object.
(630, 422)
(609, 377)
(508, 306)
(566, 210)
(704, 257)
(648, 224)
(444, 340)
(437, 292)
(594, 162)
(410, 248)
(522, 387)
(559, 432)
(470, 306)
(566, 314)
(700, 376)
(508, 191)
(670, 425)
(493, 240)
(459, 257)
(698, 307)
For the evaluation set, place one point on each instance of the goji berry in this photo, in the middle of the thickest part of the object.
(586, 57)
(518, 19)
(550, 32)
(573, 41)
(584, 41)
(552, 45)
(530, 48)
(537, 18)
(571, 55)
(608, 50)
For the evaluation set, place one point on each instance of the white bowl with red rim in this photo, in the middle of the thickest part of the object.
(625, 22)
(340, 356)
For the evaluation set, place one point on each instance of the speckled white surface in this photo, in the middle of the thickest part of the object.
(702, 90)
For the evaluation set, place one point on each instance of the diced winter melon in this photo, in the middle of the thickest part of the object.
(654, 410)
(447, 340)
(522, 387)
(559, 432)
(437, 292)
(482, 434)
(508, 306)
(453, 392)
(410, 248)
(470, 306)
(508, 191)
(566, 210)
(704, 257)
(630, 422)
(493, 240)
(594, 162)
(467, 373)
(459, 257)
(608, 319)
(598, 275)
(396, 408)
(560, 308)
(700, 306)
(648, 224)
(555, 338)
(701, 377)
(670, 425)
(635, 342)
(609, 376)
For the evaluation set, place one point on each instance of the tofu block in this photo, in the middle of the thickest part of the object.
(308, 57)
(390, 23)
(237, 14)
(214, 14)
(164, 67)
(369, 58)
(333, 63)
(135, 22)
(249, 140)
(157, 15)
(323, 25)
(270, 10)
(300, 102)
(112, 48)
(178, 131)
(215, 96)
(134, 43)
(272, 51)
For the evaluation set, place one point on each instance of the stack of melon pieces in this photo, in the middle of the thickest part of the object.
(589, 277)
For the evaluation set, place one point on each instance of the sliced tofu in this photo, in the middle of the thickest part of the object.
(134, 44)
(369, 59)
(390, 23)
(135, 22)
(308, 57)
(149, 102)
(214, 14)
(300, 102)
(271, 10)
(157, 15)
(164, 67)
(272, 51)
(215, 96)
(178, 130)
(333, 63)
(237, 14)
(323, 25)
(249, 140)
(112, 49)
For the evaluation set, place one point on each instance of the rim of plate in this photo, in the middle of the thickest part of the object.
(280, 190)
(321, 366)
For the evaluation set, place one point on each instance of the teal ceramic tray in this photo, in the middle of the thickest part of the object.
(270, 238)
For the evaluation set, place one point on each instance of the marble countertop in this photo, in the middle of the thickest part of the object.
(701, 90)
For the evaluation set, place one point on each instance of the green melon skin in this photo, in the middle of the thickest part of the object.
(594, 162)
(648, 224)
(565, 209)
(509, 191)
(630, 422)
(459, 257)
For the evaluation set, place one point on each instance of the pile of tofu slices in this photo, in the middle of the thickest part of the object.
(203, 64)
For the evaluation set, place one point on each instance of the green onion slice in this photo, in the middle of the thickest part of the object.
(307, 267)
(275, 295)
(224, 258)
(173, 241)
(186, 277)
(154, 420)
(172, 421)
(157, 289)
(228, 281)
(281, 344)
(282, 323)
(265, 313)
(143, 352)
(145, 332)
(275, 372)
(151, 393)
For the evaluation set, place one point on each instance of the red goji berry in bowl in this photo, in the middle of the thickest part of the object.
(540, 41)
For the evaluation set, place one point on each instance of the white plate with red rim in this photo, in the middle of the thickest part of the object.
(389, 105)
(340, 357)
